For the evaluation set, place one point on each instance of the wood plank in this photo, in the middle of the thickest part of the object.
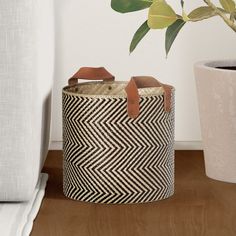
(200, 206)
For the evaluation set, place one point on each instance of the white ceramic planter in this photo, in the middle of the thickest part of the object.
(217, 106)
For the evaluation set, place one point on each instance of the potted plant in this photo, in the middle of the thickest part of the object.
(215, 80)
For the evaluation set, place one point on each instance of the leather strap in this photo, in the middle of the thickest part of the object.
(91, 73)
(144, 82)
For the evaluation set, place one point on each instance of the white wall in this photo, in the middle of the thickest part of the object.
(90, 33)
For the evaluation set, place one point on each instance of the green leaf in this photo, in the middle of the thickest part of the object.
(201, 13)
(172, 32)
(138, 36)
(228, 5)
(124, 6)
(161, 15)
(233, 16)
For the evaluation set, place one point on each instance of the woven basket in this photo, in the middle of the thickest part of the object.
(118, 139)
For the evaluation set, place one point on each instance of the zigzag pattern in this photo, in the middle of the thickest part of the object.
(111, 158)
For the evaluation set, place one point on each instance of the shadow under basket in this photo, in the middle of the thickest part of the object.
(110, 157)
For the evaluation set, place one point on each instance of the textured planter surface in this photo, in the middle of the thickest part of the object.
(217, 106)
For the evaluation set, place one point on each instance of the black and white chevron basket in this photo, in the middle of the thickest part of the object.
(118, 139)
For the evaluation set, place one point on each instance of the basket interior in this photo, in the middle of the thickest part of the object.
(109, 89)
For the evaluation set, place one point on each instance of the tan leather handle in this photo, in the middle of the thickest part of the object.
(91, 73)
(144, 82)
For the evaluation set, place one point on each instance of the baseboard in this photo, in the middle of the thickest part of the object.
(55, 145)
(179, 145)
(188, 145)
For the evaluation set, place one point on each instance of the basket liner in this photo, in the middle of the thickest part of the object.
(108, 89)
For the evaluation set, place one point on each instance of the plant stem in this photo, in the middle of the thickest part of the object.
(227, 20)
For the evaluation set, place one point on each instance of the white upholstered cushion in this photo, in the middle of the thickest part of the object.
(26, 72)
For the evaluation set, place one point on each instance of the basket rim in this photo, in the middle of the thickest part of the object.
(64, 90)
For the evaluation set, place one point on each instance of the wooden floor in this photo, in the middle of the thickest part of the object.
(200, 206)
